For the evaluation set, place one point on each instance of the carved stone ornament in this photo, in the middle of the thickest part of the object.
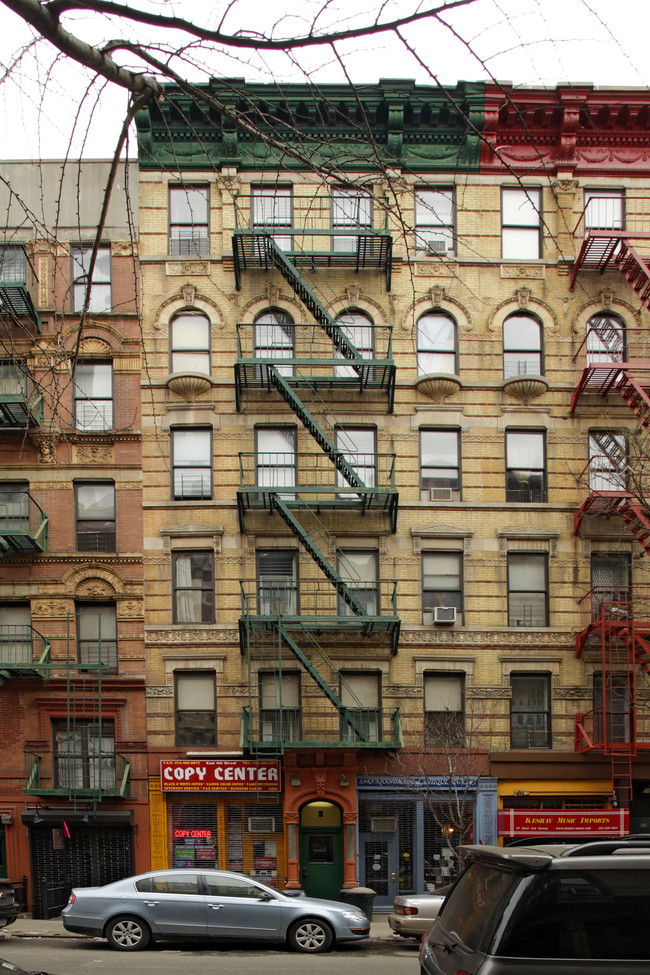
(189, 385)
(352, 294)
(94, 587)
(437, 295)
(272, 294)
(92, 348)
(525, 388)
(438, 386)
(189, 294)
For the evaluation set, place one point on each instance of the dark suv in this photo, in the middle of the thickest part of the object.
(9, 906)
(548, 910)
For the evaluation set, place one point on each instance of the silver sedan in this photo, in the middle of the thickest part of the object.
(208, 904)
(413, 914)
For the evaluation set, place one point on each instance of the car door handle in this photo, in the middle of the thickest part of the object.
(216, 907)
(151, 903)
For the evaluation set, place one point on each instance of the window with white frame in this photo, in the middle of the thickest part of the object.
(95, 516)
(274, 338)
(190, 343)
(351, 210)
(16, 645)
(442, 587)
(193, 586)
(521, 223)
(607, 461)
(280, 710)
(530, 711)
(100, 285)
(93, 396)
(522, 346)
(359, 570)
(97, 636)
(359, 447)
(272, 210)
(439, 465)
(275, 458)
(527, 589)
(358, 329)
(195, 708)
(604, 210)
(191, 464)
(605, 339)
(84, 754)
(526, 466)
(437, 344)
(189, 227)
(277, 582)
(361, 696)
(444, 708)
(434, 221)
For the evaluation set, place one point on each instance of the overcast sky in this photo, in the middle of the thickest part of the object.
(524, 41)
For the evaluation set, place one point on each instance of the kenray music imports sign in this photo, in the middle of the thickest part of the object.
(219, 775)
(564, 822)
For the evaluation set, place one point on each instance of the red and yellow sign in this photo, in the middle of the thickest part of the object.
(219, 775)
(563, 822)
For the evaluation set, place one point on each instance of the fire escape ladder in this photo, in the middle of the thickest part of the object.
(642, 651)
(310, 540)
(619, 698)
(635, 394)
(317, 677)
(635, 517)
(635, 270)
(597, 250)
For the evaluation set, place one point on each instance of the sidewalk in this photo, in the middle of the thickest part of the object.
(26, 927)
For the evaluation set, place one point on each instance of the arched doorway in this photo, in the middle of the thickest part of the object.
(321, 849)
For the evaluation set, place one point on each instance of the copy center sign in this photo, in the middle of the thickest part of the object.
(219, 775)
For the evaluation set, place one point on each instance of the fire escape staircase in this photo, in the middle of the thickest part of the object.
(604, 250)
(300, 392)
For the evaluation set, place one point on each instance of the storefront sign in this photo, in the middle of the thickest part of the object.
(417, 783)
(219, 775)
(570, 822)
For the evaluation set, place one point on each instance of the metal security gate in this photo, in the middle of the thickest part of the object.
(65, 855)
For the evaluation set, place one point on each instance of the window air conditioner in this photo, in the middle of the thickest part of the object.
(437, 246)
(261, 824)
(444, 614)
(383, 824)
(441, 494)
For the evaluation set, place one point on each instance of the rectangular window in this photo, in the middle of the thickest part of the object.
(444, 709)
(277, 583)
(189, 229)
(527, 589)
(14, 506)
(360, 694)
(193, 582)
(192, 464)
(530, 711)
(195, 708)
(359, 447)
(84, 754)
(273, 208)
(275, 457)
(100, 290)
(434, 222)
(93, 396)
(604, 210)
(614, 707)
(439, 465)
(525, 466)
(16, 634)
(521, 221)
(95, 520)
(358, 569)
(442, 587)
(611, 593)
(607, 461)
(280, 711)
(351, 210)
(97, 636)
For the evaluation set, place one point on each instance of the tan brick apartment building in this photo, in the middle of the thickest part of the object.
(386, 510)
(73, 792)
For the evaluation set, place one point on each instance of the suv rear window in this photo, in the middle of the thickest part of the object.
(475, 905)
(581, 914)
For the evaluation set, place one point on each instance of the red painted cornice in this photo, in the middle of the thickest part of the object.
(574, 129)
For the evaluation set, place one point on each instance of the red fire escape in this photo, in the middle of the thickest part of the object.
(616, 623)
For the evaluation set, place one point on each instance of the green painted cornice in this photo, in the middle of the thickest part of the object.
(396, 123)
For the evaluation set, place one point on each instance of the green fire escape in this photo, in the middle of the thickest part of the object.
(283, 622)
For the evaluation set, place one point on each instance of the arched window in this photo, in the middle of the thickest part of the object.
(190, 343)
(275, 337)
(436, 348)
(358, 328)
(522, 346)
(605, 339)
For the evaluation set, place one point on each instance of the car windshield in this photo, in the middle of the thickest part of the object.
(474, 907)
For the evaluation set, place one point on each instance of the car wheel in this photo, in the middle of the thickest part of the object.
(128, 934)
(311, 935)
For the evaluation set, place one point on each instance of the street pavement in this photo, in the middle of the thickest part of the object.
(26, 927)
